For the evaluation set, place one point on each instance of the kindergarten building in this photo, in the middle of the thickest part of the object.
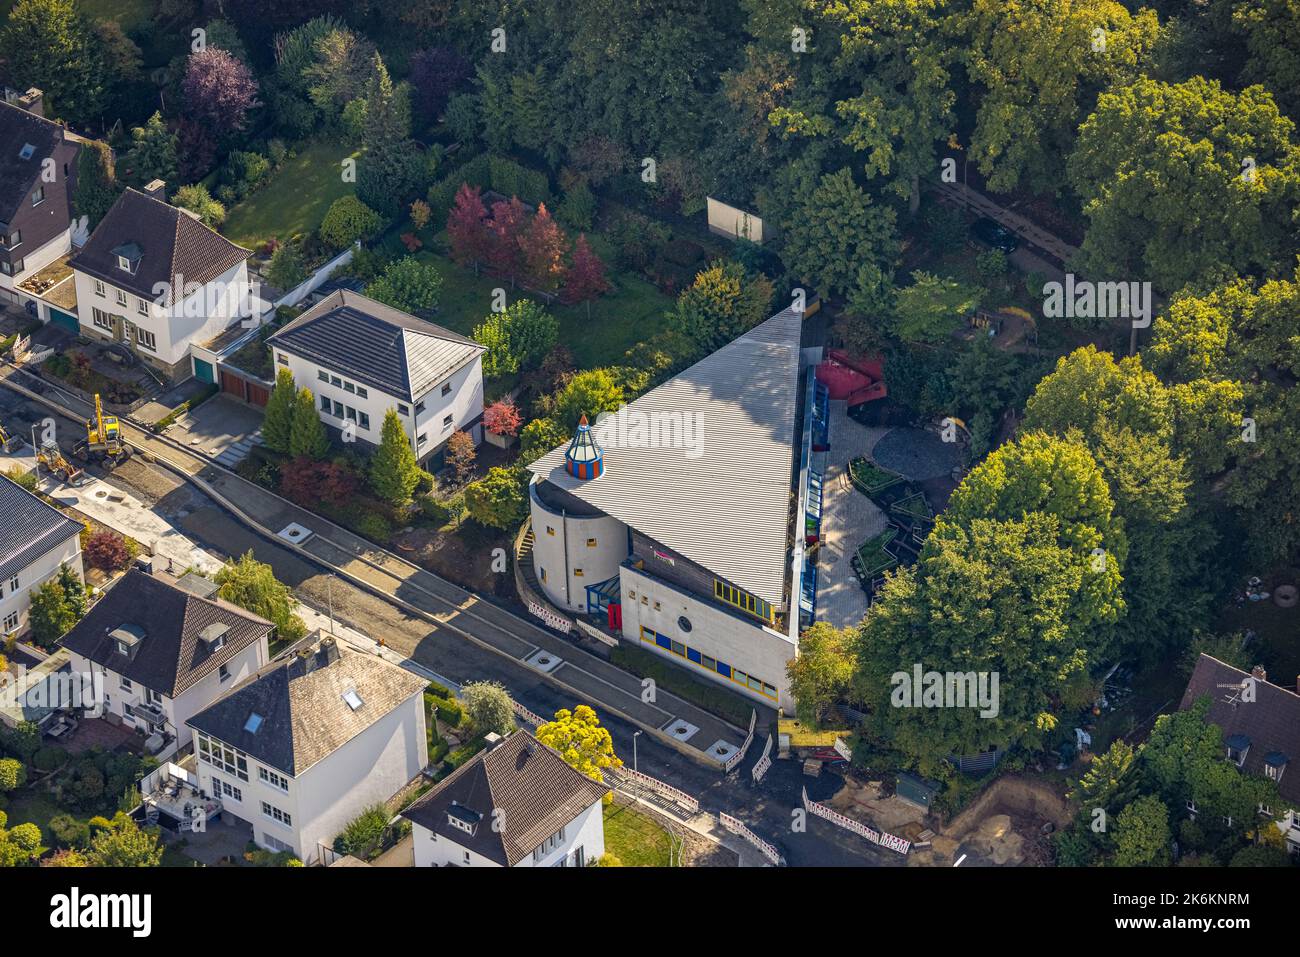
(680, 522)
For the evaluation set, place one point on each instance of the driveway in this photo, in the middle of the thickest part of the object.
(222, 427)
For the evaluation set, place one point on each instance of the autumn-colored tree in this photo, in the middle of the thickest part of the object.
(504, 253)
(581, 741)
(308, 481)
(585, 278)
(543, 245)
(107, 551)
(461, 455)
(502, 418)
(467, 228)
(219, 90)
(420, 213)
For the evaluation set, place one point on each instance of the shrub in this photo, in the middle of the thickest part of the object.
(488, 706)
(373, 526)
(438, 690)
(465, 752)
(348, 220)
(449, 711)
(107, 551)
(49, 758)
(287, 267)
(12, 774)
(363, 833)
(199, 201)
(578, 209)
(69, 831)
(244, 172)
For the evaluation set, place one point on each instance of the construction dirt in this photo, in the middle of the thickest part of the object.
(1009, 825)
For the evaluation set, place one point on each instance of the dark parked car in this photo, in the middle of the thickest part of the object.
(995, 234)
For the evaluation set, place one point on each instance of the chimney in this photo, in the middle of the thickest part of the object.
(491, 739)
(157, 189)
(329, 651)
(1258, 673)
(33, 101)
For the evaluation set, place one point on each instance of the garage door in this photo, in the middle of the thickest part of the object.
(67, 321)
(203, 371)
(232, 384)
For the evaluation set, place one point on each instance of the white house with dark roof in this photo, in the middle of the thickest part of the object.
(154, 278)
(300, 748)
(360, 358)
(515, 804)
(163, 653)
(35, 541)
(677, 521)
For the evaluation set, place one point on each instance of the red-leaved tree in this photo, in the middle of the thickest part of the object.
(543, 245)
(308, 481)
(219, 90)
(107, 551)
(461, 455)
(585, 279)
(502, 418)
(467, 227)
(505, 257)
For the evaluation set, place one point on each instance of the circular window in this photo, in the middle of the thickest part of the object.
(684, 623)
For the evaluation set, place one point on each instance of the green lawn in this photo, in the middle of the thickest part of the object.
(294, 200)
(129, 14)
(633, 312)
(34, 806)
(636, 839)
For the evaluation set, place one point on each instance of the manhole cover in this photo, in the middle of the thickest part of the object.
(101, 494)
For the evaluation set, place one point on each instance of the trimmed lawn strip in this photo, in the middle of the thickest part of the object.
(294, 200)
(712, 698)
(636, 839)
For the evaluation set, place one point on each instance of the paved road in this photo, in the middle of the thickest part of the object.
(438, 646)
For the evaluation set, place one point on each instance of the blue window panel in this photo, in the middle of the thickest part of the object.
(693, 655)
(663, 642)
(724, 670)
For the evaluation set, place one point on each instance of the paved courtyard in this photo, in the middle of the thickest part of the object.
(849, 518)
(222, 427)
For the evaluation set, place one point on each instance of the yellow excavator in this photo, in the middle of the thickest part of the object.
(51, 459)
(103, 443)
(9, 443)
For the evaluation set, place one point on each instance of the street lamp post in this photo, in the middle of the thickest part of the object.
(36, 459)
(635, 735)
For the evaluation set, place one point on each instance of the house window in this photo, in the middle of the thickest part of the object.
(146, 339)
(550, 531)
(38, 197)
(121, 296)
(13, 583)
(13, 270)
(657, 606)
(403, 410)
(543, 573)
(467, 857)
(419, 407)
(349, 388)
(336, 381)
(421, 439)
(446, 422)
(548, 845)
(362, 393)
(223, 756)
(281, 359)
(363, 420)
(352, 413)
(742, 600)
(446, 388)
(322, 375)
(99, 288)
(273, 779)
(15, 239)
(223, 673)
(591, 543)
(226, 789)
(277, 815)
(338, 409)
(577, 573)
(152, 697)
(324, 403)
(142, 307)
(11, 621)
(102, 320)
(125, 684)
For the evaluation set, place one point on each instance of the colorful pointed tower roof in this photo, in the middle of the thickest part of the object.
(584, 459)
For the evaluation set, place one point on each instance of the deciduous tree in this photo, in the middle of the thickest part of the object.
(252, 585)
(581, 741)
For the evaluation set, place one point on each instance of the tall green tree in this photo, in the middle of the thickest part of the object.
(588, 393)
(50, 44)
(1142, 837)
(277, 421)
(498, 499)
(721, 304)
(152, 154)
(394, 472)
(933, 307)
(408, 284)
(822, 673)
(307, 435)
(97, 185)
(120, 842)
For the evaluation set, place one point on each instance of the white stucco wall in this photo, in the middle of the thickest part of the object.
(561, 551)
(34, 260)
(19, 600)
(464, 403)
(748, 646)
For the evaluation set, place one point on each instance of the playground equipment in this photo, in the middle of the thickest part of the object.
(854, 380)
(51, 459)
(103, 443)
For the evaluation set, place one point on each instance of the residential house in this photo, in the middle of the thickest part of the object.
(361, 358)
(515, 804)
(1261, 730)
(154, 278)
(38, 169)
(164, 653)
(299, 749)
(670, 521)
(35, 541)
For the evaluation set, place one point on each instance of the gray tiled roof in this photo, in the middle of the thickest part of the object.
(724, 504)
(19, 128)
(299, 697)
(376, 344)
(175, 248)
(535, 792)
(171, 657)
(28, 529)
(1270, 723)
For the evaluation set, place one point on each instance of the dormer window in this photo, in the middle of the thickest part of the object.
(462, 818)
(1238, 745)
(124, 264)
(128, 258)
(1274, 765)
(214, 636)
(126, 639)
